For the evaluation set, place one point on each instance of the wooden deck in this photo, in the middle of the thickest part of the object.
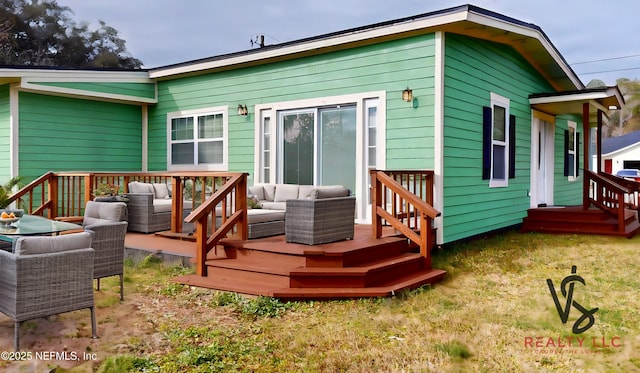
(362, 267)
(574, 219)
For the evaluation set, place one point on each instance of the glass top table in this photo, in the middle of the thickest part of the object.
(33, 225)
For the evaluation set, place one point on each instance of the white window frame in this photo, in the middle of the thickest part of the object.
(271, 110)
(497, 100)
(576, 162)
(223, 166)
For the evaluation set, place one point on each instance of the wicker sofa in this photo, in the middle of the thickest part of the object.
(149, 207)
(274, 214)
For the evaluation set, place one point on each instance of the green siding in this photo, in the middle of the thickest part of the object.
(65, 134)
(567, 193)
(142, 90)
(389, 66)
(5, 134)
(473, 69)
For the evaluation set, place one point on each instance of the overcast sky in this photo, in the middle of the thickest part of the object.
(164, 32)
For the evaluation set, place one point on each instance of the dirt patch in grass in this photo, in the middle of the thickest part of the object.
(494, 312)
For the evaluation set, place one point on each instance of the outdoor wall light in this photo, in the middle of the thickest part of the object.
(407, 95)
(242, 110)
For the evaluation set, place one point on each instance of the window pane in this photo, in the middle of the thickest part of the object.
(210, 126)
(210, 152)
(338, 147)
(182, 128)
(499, 165)
(572, 138)
(298, 139)
(182, 153)
(499, 122)
(572, 164)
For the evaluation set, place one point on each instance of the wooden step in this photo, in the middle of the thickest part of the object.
(407, 283)
(578, 220)
(236, 285)
(369, 275)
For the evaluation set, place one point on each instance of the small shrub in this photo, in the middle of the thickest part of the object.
(127, 363)
(455, 349)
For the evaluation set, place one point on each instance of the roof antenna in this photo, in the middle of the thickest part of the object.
(258, 40)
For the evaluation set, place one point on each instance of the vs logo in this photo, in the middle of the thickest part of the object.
(569, 282)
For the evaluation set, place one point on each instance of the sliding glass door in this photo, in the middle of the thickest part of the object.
(337, 149)
(318, 146)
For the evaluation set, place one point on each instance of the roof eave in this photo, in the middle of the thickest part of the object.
(528, 39)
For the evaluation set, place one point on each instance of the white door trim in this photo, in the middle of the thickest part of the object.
(542, 190)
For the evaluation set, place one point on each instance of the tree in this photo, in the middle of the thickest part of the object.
(42, 33)
(627, 119)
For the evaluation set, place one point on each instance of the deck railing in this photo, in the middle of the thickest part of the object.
(63, 195)
(404, 201)
(632, 196)
(609, 195)
(221, 214)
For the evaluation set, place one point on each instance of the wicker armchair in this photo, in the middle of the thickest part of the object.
(318, 221)
(106, 222)
(46, 276)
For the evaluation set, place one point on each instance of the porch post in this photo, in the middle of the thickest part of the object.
(599, 143)
(585, 155)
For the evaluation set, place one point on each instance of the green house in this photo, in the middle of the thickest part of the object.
(485, 101)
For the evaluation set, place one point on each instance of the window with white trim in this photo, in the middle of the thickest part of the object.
(197, 139)
(498, 142)
(571, 152)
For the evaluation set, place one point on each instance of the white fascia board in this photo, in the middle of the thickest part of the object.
(90, 95)
(312, 45)
(73, 76)
(571, 97)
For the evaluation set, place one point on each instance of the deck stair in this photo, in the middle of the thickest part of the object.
(362, 267)
(575, 219)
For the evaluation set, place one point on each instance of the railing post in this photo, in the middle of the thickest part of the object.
(425, 237)
(241, 205)
(176, 204)
(53, 196)
(201, 247)
(376, 198)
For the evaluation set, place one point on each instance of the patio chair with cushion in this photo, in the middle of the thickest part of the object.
(327, 215)
(107, 223)
(47, 275)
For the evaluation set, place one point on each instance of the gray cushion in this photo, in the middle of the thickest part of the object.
(164, 205)
(138, 187)
(305, 191)
(161, 191)
(285, 192)
(321, 193)
(266, 205)
(52, 244)
(261, 216)
(99, 212)
(269, 192)
(256, 190)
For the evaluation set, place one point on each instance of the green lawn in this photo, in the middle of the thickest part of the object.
(493, 313)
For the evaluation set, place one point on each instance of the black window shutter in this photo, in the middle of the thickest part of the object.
(486, 142)
(566, 152)
(512, 146)
(577, 154)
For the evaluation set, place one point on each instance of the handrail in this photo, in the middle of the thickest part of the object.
(632, 196)
(233, 216)
(608, 195)
(63, 195)
(402, 209)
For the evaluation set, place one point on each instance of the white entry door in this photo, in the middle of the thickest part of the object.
(542, 153)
